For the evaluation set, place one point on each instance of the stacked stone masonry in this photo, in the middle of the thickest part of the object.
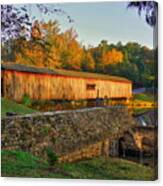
(72, 135)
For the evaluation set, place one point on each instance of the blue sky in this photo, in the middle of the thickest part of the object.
(111, 21)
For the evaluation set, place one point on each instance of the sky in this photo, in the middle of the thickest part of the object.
(110, 21)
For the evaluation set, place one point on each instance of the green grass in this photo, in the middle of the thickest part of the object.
(138, 111)
(11, 106)
(144, 97)
(22, 164)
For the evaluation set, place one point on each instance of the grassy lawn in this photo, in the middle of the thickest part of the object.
(11, 106)
(21, 164)
(144, 97)
(140, 99)
(138, 111)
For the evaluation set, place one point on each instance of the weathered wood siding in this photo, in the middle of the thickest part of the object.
(45, 86)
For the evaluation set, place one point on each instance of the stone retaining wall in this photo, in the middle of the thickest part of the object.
(72, 135)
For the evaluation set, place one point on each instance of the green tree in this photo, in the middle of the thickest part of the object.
(88, 63)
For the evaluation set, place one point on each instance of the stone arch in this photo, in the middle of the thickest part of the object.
(127, 145)
(121, 148)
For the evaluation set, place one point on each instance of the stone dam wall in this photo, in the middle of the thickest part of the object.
(72, 135)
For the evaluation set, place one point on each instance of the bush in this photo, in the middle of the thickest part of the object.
(26, 100)
(52, 157)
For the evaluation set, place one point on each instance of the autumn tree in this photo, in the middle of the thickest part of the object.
(70, 51)
(30, 53)
(48, 47)
(17, 22)
(88, 63)
(112, 57)
(39, 50)
(51, 34)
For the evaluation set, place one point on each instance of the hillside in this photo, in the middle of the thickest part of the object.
(96, 168)
(11, 106)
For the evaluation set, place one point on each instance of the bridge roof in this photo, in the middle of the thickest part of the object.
(24, 68)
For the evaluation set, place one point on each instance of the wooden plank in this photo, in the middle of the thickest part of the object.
(46, 87)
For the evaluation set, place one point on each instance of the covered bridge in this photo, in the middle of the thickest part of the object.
(45, 84)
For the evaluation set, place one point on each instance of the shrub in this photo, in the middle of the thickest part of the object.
(26, 100)
(52, 157)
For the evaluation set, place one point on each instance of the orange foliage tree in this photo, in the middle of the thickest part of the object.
(29, 53)
(70, 50)
(50, 48)
(40, 50)
(112, 57)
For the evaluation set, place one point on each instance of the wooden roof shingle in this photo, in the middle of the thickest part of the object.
(61, 72)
